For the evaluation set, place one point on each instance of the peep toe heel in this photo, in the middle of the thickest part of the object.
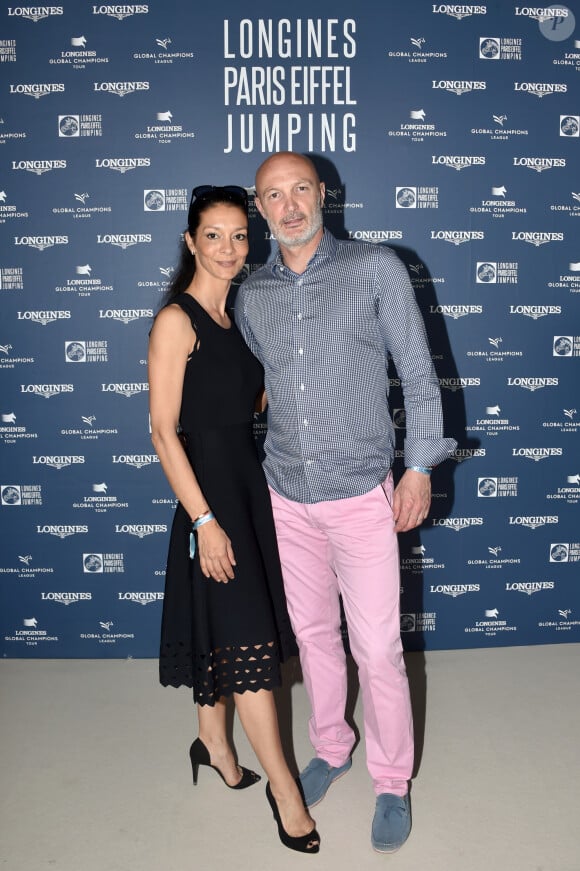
(309, 843)
(199, 755)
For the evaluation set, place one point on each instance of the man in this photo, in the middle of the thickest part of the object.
(323, 316)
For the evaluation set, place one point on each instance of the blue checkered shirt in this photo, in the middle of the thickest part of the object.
(324, 337)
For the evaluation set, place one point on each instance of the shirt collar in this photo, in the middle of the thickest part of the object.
(326, 249)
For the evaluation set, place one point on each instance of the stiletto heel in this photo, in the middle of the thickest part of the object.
(199, 755)
(194, 768)
(302, 843)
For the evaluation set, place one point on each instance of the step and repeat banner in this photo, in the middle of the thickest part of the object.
(447, 131)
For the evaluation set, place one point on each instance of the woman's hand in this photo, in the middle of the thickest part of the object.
(216, 555)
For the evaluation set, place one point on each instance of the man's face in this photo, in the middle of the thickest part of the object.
(290, 197)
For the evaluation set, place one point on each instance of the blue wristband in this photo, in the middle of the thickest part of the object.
(423, 469)
(203, 518)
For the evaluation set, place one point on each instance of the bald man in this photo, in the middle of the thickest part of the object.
(323, 316)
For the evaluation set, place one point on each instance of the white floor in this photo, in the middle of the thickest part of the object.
(96, 775)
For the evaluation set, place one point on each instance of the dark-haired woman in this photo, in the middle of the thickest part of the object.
(225, 626)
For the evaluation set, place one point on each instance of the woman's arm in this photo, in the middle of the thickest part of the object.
(171, 341)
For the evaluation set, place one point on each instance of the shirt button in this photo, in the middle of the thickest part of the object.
(302, 387)
(299, 316)
(300, 350)
(305, 422)
(308, 462)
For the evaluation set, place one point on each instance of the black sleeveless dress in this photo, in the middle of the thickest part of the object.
(223, 638)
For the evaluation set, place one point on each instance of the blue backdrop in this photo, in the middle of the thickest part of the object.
(448, 131)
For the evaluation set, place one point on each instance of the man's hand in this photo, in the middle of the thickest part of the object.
(411, 501)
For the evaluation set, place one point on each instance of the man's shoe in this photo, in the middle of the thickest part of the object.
(391, 822)
(317, 777)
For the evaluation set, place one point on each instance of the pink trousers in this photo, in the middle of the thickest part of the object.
(349, 546)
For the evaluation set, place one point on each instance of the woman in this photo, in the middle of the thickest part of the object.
(225, 627)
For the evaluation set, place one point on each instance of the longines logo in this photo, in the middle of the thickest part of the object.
(458, 10)
(140, 530)
(121, 89)
(529, 587)
(61, 530)
(47, 316)
(38, 166)
(66, 598)
(123, 240)
(533, 522)
(34, 13)
(46, 390)
(535, 311)
(38, 89)
(536, 238)
(457, 237)
(41, 243)
(537, 453)
(461, 454)
(375, 236)
(136, 460)
(539, 164)
(125, 315)
(457, 161)
(454, 590)
(141, 598)
(458, 87)
(122, 164)
(121, 11)
(532, 383)
(541, 89)
(128, 389)
(456, 311)
(459, 383)
(59, 462)
(540, 14)
(457, 523)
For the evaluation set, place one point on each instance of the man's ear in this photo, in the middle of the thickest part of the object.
(322, 193)
(259, 206)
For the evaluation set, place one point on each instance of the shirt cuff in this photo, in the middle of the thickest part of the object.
(428, 452)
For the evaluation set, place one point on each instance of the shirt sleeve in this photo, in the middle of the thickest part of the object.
(403, 330)
(242, 322)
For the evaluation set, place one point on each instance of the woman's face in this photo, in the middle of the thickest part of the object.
(220, 243)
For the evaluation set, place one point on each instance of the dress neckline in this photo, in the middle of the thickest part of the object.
(207, 314)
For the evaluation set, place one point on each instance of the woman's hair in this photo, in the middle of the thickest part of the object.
(202, 199)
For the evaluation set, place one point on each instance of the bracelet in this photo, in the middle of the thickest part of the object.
(199, 521)
(203, 518)
(199, 516)
(423, 469)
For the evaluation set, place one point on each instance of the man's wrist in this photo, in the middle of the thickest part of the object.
(425, 470)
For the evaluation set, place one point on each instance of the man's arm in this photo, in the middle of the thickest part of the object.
(242, 322)
(405, 338)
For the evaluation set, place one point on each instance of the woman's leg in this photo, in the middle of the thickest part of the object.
(212, 732)
(257, 713)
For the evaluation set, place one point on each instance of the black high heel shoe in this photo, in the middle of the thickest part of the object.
(199, 755)
(302, 843)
